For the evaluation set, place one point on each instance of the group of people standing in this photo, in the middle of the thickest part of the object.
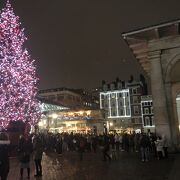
(108, 144)
(27, 146)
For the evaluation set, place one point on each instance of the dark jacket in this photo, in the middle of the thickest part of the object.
(4, 156)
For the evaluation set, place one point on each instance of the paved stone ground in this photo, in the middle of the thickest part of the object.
(127, 167)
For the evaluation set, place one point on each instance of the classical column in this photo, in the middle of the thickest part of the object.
(172, 112)
(158, 94)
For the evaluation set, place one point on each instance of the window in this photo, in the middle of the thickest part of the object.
(134, 91)
(135, 99)
(151, 110)
(146, 121)
(146, 110)
(137, 121)
(113, 113)
(152, 119)
(136, 109)
(120, 94)
(120, 103)
(102, 96)
(121, 112)
(113, 95)
(127, 111)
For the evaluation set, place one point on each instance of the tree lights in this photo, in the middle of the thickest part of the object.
(18, 82)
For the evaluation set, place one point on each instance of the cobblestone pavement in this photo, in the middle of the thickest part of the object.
(68, 167)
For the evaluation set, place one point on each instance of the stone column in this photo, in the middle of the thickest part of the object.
(158, 95)
(172, 112)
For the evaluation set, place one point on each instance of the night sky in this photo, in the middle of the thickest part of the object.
(78, 43)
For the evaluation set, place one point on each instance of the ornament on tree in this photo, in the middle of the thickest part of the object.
(18, 81)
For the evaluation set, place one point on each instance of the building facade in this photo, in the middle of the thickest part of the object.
(147, 113)
(157, 50)
(122, 104)
(84, 121)
(72, 98)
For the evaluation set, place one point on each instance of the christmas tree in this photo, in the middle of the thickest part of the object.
(18, 82)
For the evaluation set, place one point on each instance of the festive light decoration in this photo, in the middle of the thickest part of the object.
(18, 82)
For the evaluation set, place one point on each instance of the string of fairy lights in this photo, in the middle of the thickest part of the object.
(18, 81)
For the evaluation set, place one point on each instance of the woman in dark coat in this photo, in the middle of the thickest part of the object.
(4, 157)
(38, 153)
(25, 150)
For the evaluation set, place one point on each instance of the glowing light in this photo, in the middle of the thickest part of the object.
(111, 124)
(81, 112)
(18, 82)
(40, 123)
(54, 116)
(88, 113)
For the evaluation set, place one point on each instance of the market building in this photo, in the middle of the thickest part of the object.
(82, 121)
(65, 110)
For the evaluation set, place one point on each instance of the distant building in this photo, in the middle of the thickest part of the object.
(71, 110)
(122, 103)
(72, 98)
(84, 121)
(147, 113)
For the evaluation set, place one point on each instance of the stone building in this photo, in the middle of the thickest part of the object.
(147, 113)
(72, 98)
(122, 104)
(157, 49)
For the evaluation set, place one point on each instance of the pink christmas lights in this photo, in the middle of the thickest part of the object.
(18, 82)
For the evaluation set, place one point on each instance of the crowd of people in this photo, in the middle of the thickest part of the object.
(108, 144)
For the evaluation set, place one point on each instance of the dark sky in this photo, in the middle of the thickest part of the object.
(78, 43)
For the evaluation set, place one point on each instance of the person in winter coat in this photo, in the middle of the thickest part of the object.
(165, 146)
(106, 148)
(81, 147)
(144, 146)
(25, 150)
(159, 147)
(38, 152)
(4, 156)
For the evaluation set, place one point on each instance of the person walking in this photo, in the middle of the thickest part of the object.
(4, 156)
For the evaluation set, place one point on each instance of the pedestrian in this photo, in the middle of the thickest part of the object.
(81, 147)
(24, 150)
(144, 146)
(159, 147)
(4, 156)
(38, 152)
(116, 137)
(106, 148)
(165, 146)
(59, 143)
